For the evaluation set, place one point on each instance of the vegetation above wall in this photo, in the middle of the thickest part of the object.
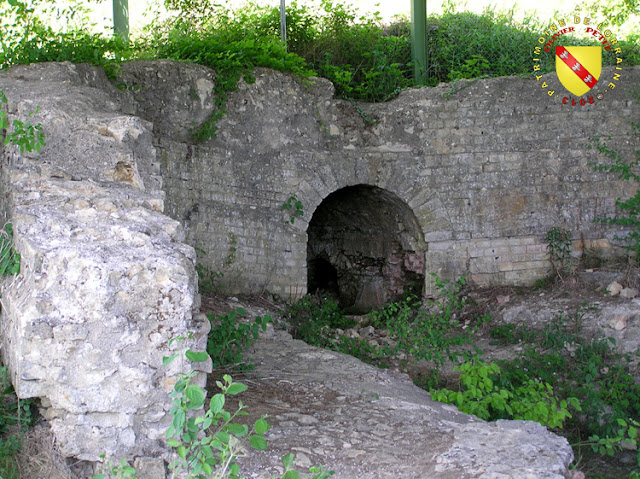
(365, 58)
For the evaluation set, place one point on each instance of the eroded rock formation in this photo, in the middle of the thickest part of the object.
(106, 279)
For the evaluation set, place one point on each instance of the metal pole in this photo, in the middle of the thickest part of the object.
(283, 23)
(121, 19)
(419, 40)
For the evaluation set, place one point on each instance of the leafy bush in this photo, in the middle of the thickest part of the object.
(426, 331)
(559, 356)
(365, 59)
(481, 394)
(201, 452)
(314, 319)
(208, 445)
(416, 331)
(229, 337)
(468, 45)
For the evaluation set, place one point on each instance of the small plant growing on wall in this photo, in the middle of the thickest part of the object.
(559, 248)
(9, 257)
(293, 207)
(23, 134)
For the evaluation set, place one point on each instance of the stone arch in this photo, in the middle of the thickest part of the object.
(365, 246)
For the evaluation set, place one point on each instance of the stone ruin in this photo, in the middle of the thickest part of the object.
(106, 278)
(107, 218)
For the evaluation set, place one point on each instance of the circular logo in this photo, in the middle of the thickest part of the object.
(578, 68)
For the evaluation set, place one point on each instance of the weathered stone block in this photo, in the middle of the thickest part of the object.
(106, 280)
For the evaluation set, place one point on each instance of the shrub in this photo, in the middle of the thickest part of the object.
(480, 394)
(426, 331)
(365, 59)
(229, 337)
(313, 319)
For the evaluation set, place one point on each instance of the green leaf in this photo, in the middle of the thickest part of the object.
(197, 357)
(207, 423)
(261, 426)
(217, 403)
(173, 443)
(223, 437)
(196, 397)
(173, 340)
(182, 452)
(166, 360)
(258, 443)
(238, 430)
(287, 460)
(236, 388)
(179, 419)
(291, 475)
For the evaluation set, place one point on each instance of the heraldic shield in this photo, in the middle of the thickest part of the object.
(578, 68)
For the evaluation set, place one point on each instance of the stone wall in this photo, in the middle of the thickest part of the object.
(106, 279)
(486, 168)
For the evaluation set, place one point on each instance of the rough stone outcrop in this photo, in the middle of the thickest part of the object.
(615, 318)
(106, 279)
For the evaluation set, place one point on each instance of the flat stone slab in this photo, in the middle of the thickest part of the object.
(334, 411)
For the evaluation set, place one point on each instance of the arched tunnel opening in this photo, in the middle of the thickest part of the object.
(365, 247)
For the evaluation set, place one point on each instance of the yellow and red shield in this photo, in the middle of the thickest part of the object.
(578, 68)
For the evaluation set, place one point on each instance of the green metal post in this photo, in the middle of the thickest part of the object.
(419, 40)
(121, 18)
(283, 23)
